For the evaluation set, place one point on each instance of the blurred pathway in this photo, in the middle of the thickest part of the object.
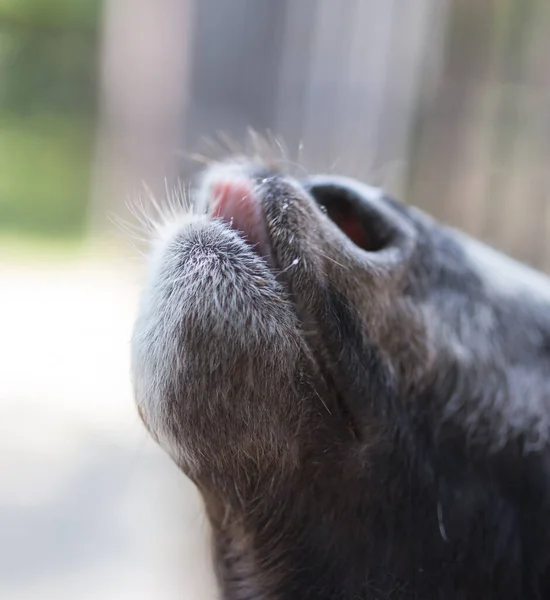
(89, 507)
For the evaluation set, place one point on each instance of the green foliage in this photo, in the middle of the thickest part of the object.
(48, 55)
(48, 65)
(44, 179)
(40, 71)
(57, 13)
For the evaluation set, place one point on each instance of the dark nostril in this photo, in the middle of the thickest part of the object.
(362, 223)
(368, 235)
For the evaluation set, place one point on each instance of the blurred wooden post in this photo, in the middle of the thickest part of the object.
(235, 74)
(350, 82)
(144, 70)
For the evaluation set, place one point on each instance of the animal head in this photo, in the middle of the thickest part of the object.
(359, 393)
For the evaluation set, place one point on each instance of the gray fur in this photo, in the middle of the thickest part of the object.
(361, 423)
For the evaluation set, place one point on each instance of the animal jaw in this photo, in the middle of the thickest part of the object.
(361, 400)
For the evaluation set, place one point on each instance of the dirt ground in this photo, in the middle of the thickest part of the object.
(89, 506)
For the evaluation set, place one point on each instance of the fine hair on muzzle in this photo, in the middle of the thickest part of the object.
(360, 393)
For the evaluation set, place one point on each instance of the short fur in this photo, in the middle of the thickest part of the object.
(361, 423)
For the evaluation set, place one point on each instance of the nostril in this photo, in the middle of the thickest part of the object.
(368, 236)
(367, 227)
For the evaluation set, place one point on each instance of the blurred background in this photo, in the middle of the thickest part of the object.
(446, 103)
